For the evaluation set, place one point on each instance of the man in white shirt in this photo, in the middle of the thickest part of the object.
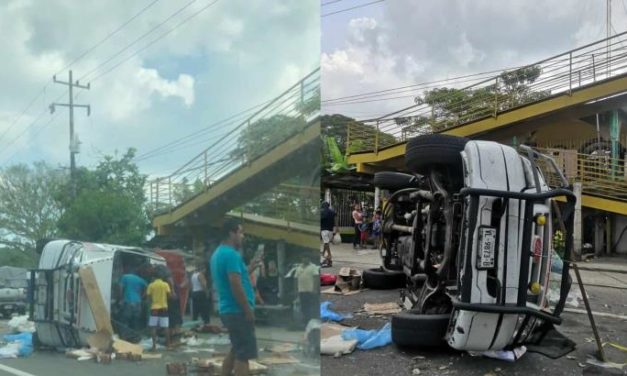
(307, 275)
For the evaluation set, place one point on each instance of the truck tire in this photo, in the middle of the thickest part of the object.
(424, 152)
(394, 181)
(379, 279)
(412, 329)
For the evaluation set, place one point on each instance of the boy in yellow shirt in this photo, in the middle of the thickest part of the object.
(158, 292)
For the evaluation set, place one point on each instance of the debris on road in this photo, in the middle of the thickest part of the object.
(337, 346)
(369, 339)
(349, 279)
(327, 279)
(334, 291)
(382, 309)
(507, 355)
(278, 358)
(331, 342)
(121, 346)
(176, 368)
(599, 314)
(18, 345)
(10, 350)
(602, 364)
(327, 314)
(284, 347)
(213, 366)
(208, 328)
(100, 341)
(21, 324)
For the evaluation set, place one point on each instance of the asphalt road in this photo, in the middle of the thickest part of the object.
(52, 363)
(393, 360)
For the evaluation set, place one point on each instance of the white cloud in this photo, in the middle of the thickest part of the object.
(183, 87)
(242, 52)
(411, 42)
(465, 54)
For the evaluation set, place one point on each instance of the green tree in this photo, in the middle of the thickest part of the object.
(110, 204)
(337, 125)
(451, 107)
(28, 211)
(261, 136)
(183, 191)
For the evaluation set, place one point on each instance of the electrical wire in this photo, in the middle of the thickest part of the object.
(155, 40)
(152, 30)
(351, 8)
(111, 34)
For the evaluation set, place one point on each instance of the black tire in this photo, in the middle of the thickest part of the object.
(410, 329)
(394, 181)
(424, 152)
(379, 279)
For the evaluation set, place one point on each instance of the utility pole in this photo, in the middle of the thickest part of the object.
(73, 142)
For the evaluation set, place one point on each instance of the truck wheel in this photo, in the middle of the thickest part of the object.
(411, 329)
(394, 181)
(424, 152)
(379, 279)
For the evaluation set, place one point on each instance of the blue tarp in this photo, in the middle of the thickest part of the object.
(26, 342)
(369, 339)
(327, 314)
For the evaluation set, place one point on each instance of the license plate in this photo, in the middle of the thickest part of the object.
(487, 246)
(8, 306)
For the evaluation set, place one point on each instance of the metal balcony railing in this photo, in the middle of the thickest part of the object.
(560, 74)
(283, 117)
(600, 174)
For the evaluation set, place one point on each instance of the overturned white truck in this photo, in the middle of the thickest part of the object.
(60, 309)
(468, 238)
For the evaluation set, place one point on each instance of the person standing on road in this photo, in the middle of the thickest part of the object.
(132, 288)
(236, 299)
(358, 220)
(158, 292)
(200, 295)
(327, 232)
(307, 276)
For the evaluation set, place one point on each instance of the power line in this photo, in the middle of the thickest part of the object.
(175, 143)
(418, 85)
(330, 2)
(351, 8)
(111, 34)
(17, 118)
(156, 40)
(85, 53)
(138, 39)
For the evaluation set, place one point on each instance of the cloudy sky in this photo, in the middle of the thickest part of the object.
(233, 55)
(396, 43)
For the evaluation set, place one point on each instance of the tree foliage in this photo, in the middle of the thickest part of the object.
(451, 107)
(28, 211)
(110, 204)
(261, 136)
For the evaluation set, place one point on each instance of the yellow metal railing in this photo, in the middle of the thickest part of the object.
(280, 119)
(455, 106)
(599, 173)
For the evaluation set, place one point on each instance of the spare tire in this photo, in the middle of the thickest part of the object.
(394, 181)
(412, 329)
(379, 279)
(424, 152)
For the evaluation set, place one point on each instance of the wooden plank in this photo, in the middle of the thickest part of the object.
(100, 340)
(96, 303)
(124, 347)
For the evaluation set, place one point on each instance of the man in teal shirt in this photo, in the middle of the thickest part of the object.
(236, 299)
(132, 287)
